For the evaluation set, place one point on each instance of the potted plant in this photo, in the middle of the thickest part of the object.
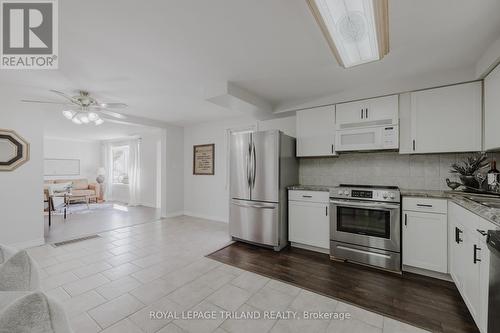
(468, 168)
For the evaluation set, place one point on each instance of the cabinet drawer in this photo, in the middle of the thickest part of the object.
(427, 205)
(309, 196)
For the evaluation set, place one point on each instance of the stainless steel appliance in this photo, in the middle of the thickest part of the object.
(493, 242)
(365, 225)
(262, 165)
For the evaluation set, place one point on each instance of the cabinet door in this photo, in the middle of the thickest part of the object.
(352, 112)
(309, 223)
(470, 288)
(383, 109)
(316, 132)
(447, 119)
(425, 241)
(484, 286)
(492, 110)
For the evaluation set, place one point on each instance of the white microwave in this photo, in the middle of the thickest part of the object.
(380, 137)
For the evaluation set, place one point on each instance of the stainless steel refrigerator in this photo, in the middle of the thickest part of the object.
(262, 165)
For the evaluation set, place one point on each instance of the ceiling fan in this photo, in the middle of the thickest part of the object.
(83, 108)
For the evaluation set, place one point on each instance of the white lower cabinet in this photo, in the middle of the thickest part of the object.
(425, 241)
(309, 221)
(469, 261)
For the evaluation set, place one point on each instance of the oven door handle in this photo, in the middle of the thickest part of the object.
(379, 206)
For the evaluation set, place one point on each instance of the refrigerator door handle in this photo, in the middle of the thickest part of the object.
(255, 205)
(249, 181)
(254, 165)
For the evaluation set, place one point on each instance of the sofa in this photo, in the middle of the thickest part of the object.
(79, 187)
(23, 307)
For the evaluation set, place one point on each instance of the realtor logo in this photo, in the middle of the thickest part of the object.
(29, 34)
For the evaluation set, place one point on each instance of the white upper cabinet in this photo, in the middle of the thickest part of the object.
(374, 110)
(447, 119)
(492, 110)
(316, 132)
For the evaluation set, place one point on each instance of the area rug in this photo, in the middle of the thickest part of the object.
(82, 208)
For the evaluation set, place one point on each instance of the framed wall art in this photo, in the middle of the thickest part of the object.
(204, 159)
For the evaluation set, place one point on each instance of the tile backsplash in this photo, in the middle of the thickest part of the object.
(423, 172)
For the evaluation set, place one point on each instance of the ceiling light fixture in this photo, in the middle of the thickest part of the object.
(357, 31)
(83, 117)
(68, 114)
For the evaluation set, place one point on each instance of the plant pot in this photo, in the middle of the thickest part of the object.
(469, 181)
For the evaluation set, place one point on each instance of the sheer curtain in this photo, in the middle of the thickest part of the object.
(134, 173)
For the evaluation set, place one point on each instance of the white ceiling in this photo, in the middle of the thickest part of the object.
(160, 57)
(56, 126)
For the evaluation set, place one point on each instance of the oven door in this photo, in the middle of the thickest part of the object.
(372, 224)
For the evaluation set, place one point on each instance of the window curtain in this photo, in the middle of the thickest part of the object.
(107, 156)
(134, 172)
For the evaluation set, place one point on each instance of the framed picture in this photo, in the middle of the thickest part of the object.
(204, 159)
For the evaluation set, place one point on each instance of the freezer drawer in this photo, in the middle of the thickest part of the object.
(255, 222)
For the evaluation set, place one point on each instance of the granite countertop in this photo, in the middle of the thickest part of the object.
(309, 188)
(424, 193)
(460, 198)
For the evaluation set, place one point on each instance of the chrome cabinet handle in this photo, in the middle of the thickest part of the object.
(424, 205)
(307, 196)
(366, 111)
(406, 219)
(362, 113)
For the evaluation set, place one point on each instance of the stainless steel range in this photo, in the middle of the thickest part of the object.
(365, 225)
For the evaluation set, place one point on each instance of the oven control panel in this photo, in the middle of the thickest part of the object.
(373, 194)
(362, 194)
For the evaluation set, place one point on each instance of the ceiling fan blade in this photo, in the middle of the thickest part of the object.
(113, 114)
(44, 102)
(71, 99)
(113, 105)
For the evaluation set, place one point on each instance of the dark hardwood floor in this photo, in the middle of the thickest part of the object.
(428, 303)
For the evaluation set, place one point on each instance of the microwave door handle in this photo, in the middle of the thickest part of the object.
(364, 205)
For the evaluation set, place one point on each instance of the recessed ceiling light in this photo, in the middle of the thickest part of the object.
(99, 122)
(357, 31)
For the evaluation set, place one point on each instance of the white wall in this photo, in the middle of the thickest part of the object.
(208, 196)
(88, 152)
(149, 166)
(173, 170)
(21, 191)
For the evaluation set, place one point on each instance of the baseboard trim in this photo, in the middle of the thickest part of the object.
(206, 217)
(27, 244)
(310, 247)
(426, 272)
(174, 214)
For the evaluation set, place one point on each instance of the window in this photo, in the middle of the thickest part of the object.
(120, 164)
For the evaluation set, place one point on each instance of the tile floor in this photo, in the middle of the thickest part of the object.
(99, 218)
(113, 283)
